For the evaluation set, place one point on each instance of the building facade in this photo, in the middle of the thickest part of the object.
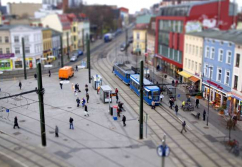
(174, 21)
(23, 10)
(33, 45)
(149, 57)
(140, 38)
(6, 54)
(218, 70)
(56, 44)
(124, 14)
(47, 43)
(83, 31)
(193, 60)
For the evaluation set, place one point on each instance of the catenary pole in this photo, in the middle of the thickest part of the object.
(61, 51)
(41, 105)
(141, 79)
(88, 58)
(23, 49)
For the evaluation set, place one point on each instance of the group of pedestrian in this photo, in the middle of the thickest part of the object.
(171, 102)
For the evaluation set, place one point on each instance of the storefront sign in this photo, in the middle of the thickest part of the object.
(6, 56)
(214, 84)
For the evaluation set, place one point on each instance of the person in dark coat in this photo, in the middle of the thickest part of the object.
(76, 68)
(173, 83)
(87, 96)
(35, 76)
(49, 73)
(86, 89)
(15, 123)
(20, 85)
(56, 131)
(176, 109)
(78, 102)
(61, 84)
(116, 90)
(171, 103)
(71, 123)
(197, 102)
(124, 120)
(204, 115)
(86, 111)
(116, 98)
(184, 126)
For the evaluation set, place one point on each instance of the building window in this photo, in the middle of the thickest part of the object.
(26, 39)
(190, 48)
(137, 36)
(1, 51)
(16, 39)
(189, 61)
(200, 67)
(196, 50)
(195, 66)
(193, 50)
(74, 38)
(212, 54)
(235, 82)
(7, 50)
(192, 64)
(186, 62)
(207, 52)
(205, 70)
(0, 39)
(219, 74)
(17, 50)
(201, 51)
(237, 60)
(228, 57)
(227, 75)
(210, 71)
(74, 29)
(27, 50)
(220, 55)
(6, 40)
(186, 47)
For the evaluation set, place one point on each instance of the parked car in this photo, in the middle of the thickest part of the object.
(80, 52)
(130, 40)
(124, 46)
(73, 58)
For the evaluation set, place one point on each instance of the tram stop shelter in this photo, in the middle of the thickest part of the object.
(105, 94)
(96, 81)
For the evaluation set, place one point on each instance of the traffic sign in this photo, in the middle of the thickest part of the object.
(7, 110)
(178, 95)
(163, 151)
(48, 65)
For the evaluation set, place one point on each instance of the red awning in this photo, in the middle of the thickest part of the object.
(194, 79)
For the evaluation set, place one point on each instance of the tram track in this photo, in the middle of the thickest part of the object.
(105, 75)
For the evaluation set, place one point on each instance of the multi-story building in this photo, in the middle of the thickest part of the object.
(124, 14)
(56, 45)
(47, 43)
(149, 56)
(33, 45)
(74, 29)
(6, 54)
(83, 31)
(174, 21)
(192, 58)
(60, 23)
(23, 10)
(140, 37)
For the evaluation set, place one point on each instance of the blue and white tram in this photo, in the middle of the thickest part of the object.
(123, 72)
(151, 93)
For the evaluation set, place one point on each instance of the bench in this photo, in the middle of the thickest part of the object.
(195, 114)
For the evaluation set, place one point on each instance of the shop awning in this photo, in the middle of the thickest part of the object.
(184, 74)
(194, 79)
(234, 95)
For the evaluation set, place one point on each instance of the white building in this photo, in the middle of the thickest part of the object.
(83, 27)
(33, 45)
(46, 10)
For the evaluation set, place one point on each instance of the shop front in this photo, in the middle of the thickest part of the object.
(185, 76)
(6, 62)
(18, 63)
(218, 96)
(195, 83)
(235, 103)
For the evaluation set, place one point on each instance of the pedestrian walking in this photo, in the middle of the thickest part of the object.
(15, 123)
(76, 68)
(87, 96)
(78, 88)
(71, 123)
(49, 73)
(61, 84)
(116, 98)
(86, 111)
(184, 126)
(83, 102)
(20, 85)
(171, 103)
(78, 102)
(197, 103)
(98, 89)
(176, 83)
(35, 76)
(173, 83)
(153, 105)
(124, 120)
(176, 109)
(116, 90)
(161, 97)
(56, 131)
(86, 89)
(204, 115)
(73, 87)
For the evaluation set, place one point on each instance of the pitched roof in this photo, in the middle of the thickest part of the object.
(141, 26)
(64, 21)
(144, 19)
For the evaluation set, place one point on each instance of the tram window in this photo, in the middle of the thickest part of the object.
(156, 95)
(149, 95)
(127, 76)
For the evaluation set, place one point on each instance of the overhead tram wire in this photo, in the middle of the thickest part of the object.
(76, 140)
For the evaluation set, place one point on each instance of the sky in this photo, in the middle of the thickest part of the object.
(132, 5)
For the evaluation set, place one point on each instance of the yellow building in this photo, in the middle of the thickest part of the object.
(74, 30)
(192, 60)
(140, 37)
(47, 43)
